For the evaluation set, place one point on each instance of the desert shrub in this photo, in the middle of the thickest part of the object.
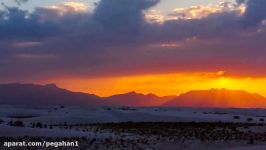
(108, 108)
(39, 125)
(249, 119)
(16, 123)
(236, 117)
(251, 141)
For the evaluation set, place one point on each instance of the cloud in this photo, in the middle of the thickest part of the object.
(69, 7)
(116, 39)
(34, 56)
(154, 16)
(16, 23)
(197, 12)
(255, 12)
(122, 15)
(19, 2)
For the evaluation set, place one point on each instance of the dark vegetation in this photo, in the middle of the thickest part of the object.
(176, 131)
(22, 116)
(136, 135)
(16, 123)
(236, 117)
(189, 130)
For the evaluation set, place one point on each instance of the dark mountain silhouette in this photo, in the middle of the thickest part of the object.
(219, 98)
(30, 94)
(137, 99)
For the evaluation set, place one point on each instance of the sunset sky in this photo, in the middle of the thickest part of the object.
(108, 47)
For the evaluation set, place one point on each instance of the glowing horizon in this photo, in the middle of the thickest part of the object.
(161, 84)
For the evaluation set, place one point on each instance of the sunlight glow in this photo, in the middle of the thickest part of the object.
(161, 84)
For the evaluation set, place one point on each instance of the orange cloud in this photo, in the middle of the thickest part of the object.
(201, 11)
(70, 7)
(154, 16)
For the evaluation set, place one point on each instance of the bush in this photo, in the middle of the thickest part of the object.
(39, 125)
(249, 119)
(236, 117)
(16, 123)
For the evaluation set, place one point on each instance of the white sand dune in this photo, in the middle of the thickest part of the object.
(87, 115)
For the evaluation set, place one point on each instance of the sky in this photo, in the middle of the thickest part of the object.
(108, 47)
(165, 5)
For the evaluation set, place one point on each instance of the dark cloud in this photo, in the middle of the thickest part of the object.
(122, 15)
(115, 39)
(255, 12)
(17, 24)
(241, 1)
(19, 2)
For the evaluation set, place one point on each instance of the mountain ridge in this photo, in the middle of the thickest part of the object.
(219, 98)
(31, 94)
(136, 99)
(51, 94)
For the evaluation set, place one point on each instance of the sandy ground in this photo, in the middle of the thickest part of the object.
(68, 122)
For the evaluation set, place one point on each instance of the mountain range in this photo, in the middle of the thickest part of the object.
(50, 94)
(219, 98)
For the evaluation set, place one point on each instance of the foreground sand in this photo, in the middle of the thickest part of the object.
(137, 128)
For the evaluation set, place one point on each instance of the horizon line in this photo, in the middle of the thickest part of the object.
(131, 91)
